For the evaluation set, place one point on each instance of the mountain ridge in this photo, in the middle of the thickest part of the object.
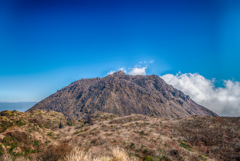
(122, 94)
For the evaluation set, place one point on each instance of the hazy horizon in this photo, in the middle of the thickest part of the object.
(19, 106)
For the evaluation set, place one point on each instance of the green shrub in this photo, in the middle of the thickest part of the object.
(7, 140)
(20, 123)
(16, 154)
(145, 150)
(132, 144)
(51, 134)
(35, 143)
(47, 142)
(71, 122)
(28, 151)
(77, 132)
(164, 157)
(148, 158)
(203, 157)
(1, 152)
(186, 146)
(13, 145)
(137, 155)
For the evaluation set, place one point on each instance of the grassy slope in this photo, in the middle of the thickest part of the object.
(23, 135)
(151, 138)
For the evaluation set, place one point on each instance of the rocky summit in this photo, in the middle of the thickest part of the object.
(122, 95)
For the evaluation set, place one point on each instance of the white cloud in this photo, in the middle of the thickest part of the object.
(123, 69)
(224, 101)
(137, 66)
(140, 62)
(138, 71)
(151, 61)
(111, 72)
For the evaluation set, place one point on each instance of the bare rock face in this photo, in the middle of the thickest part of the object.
(122, 94)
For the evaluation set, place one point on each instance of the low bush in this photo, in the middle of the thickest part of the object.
(132, 145)
(77, 132)
(186, 146)
(148, 158)
(51, 134)
(20, 123)
(145, 150)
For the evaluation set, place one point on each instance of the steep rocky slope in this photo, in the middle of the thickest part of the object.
(122, 95)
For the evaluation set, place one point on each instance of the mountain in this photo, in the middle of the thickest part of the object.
(122, 95)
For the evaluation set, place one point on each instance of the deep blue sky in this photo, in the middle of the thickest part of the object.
(45, 45)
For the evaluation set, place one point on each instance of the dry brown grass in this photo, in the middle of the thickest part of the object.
(190, 139)
(54, 153)
(216, 137)
(7, 157)
(78, 154)
(139, 137)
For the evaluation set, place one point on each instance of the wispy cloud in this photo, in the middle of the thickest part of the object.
(224, 101)
(111, 72)
(123, 69)
(151, 61)
(138, 71)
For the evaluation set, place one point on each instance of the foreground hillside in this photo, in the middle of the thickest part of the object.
(122, 94)
(37, 136)
(26, 134)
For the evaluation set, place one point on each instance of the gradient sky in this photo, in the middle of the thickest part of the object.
(45, 44)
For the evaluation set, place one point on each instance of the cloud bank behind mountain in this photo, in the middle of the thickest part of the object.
(224, 101)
